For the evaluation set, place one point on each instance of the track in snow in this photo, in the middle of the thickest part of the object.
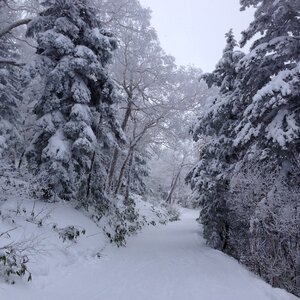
(162, 263)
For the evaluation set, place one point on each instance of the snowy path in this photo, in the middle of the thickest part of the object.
(163, 263)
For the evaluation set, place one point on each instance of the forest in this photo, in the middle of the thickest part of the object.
(102, 131)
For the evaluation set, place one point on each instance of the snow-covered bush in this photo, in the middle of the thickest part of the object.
(123, 221)
(13, 258)
(13, 264)
(33, 215)
(263, 227)
(70, 233)
(173, 213)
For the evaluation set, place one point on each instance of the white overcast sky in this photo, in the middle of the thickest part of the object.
(193, 30)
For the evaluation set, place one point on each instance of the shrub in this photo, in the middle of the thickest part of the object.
(70, 233)
(13, 264)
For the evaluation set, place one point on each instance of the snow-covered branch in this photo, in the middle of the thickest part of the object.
(12, 62)
(16, 24)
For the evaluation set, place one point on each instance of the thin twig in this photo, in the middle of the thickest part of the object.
(6, 232)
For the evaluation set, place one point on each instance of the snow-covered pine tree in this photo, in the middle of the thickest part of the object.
(267, 134)
(269, 79)
(76, 111)
(225, 73)
(10, 90)
(214, 132)
(253, 132)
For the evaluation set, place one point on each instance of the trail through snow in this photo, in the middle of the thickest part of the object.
(168, 262)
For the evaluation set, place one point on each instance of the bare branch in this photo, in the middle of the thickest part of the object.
(7, 232)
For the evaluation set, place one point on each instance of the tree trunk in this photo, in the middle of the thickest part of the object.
(98, 135)
(132, 146)
(119, 182)
(127, 192)
(88, 190)
(111, 170)
(173, 186)
(21, 159)
(115, 156)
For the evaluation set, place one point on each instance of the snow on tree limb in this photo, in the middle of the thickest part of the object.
(12, 62)
(16, 24)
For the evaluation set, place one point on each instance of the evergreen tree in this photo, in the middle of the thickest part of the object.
(214, 132)
(267, 134)
(269, 81)
(248, 175)
(76, 110)
(226, 70)
(10, 90)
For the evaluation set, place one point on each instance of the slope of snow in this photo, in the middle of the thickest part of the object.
(162, 263)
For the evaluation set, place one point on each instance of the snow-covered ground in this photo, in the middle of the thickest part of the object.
(164, 262)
